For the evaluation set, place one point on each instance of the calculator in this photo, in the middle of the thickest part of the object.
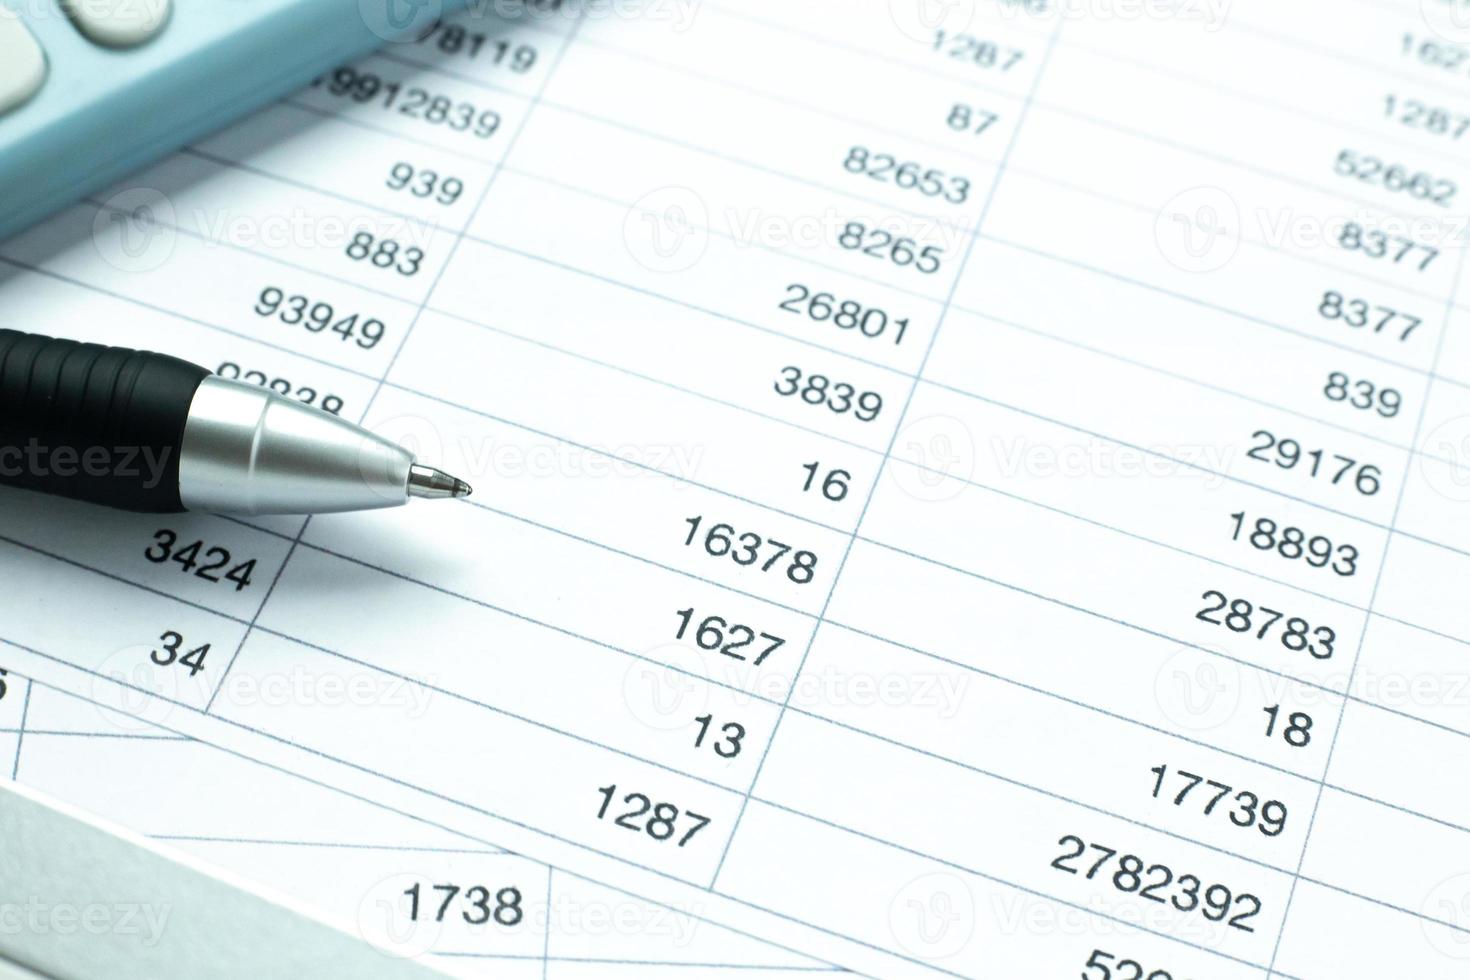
(91, 90)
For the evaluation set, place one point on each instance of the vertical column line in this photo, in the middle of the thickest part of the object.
(893, 440)
(1372, 597)
(459, 237)
(546, 937)
(20, 738)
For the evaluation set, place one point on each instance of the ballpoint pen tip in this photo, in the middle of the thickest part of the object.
(425, 481)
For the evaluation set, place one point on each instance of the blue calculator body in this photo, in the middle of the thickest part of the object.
(91, 90)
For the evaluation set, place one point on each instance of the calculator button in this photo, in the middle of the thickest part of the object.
(22, 64)
(119, 23)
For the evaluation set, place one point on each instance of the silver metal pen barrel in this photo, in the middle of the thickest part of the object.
(248, 450)
(147, 432)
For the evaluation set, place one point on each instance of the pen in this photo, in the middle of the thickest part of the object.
(147, 432)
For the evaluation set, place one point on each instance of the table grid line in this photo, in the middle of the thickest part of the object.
(1362, 638)
(20, 734)
(495, 849)
(969, 482)
(1071, 43)
(1183, 644)
(1240, 662)
(1411, 450)
(546, 939)
(734, 688)
(820, 617)
(1228, 477)
(489, 847)
(827, 41)
(856, 630)
(407, 334)
(269, 736)
(922, 297)
(1356, 274)
(873, 489)
(1142, 135)
(1385, 208)
(1326, 423)
(735, 406)
(1314, 339)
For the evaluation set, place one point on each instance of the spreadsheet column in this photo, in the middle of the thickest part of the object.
(1108, 598)
(979, 490)
(1385, 860)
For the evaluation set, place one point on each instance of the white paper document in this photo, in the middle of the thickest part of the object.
(974, 489)
(359, 863)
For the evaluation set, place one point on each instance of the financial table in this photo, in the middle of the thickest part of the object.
(975, 496)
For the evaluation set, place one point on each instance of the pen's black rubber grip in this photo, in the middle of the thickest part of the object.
(95, 423)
